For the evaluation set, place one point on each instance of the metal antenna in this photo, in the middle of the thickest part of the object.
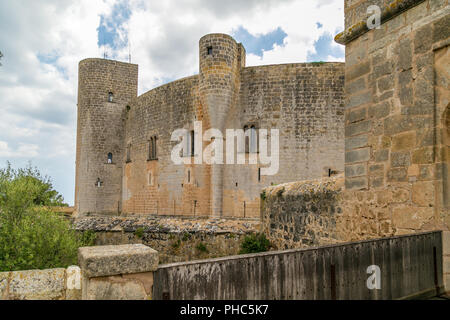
(128, 36)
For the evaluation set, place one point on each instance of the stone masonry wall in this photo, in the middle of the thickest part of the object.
(100, 131)
(396, 139)
(302, 214)
(305, 103)
(175, 239)
(396, 165)
(51, 284)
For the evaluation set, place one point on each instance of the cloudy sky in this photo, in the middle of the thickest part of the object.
(43, 41)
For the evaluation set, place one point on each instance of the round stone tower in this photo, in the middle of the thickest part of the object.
(105, 87)
(221, 60)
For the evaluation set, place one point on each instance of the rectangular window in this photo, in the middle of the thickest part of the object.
(210, 49)
(155, 154)
(192, 143)
(152, 152)
(129, 153)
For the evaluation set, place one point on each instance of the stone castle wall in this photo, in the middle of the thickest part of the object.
(100, 131)
(176, 239)
(303, 101)
(303, 214)
(396, 163)
(396, 137)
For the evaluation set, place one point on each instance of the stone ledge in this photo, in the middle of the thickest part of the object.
(116, 260)
(388, 12)
(164, 224)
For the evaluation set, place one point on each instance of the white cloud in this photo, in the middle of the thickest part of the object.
(23, 151)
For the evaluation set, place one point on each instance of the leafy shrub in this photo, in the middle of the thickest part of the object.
(32, 236)
(255, 243)
(187, 236)
(176, 244)
(263, 195)
(40, 239)
(202, 247)
(139, 233)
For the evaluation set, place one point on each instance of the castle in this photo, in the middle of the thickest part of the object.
(123, 158)
(382, 118)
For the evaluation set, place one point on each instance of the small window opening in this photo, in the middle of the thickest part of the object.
(189, 176)
(259, 175)
(110, 97)
(129, 153)
(247, 139)
(253, 140)
(99, 183)
(154, 150)
(192, 135)
(210, 50)
(150, 149)
(110, 158)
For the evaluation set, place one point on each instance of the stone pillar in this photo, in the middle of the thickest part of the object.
(446, 259)
(117, 272)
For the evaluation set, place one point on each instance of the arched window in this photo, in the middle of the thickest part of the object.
(110, 97)
(110, 158)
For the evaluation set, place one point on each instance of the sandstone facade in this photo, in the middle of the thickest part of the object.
(397, 125)
(124, 142)
(397, 111)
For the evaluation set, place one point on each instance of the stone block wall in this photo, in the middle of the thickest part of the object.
(305, 103)
(408, 266)
(446, 259)
(100, 131)
(51, 284)
(303, 214)
(396, 160)
(117, 272)
(175, 239)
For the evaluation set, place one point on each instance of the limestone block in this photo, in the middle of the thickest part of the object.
(447, 282)
(446, 243)
(411, 217)
(3, 284)
(116, 288)
(404, 141)
(114, 260)
(73, 283)
(37, 285)
(423, 193)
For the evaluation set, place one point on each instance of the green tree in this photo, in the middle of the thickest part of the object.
(31, 235)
